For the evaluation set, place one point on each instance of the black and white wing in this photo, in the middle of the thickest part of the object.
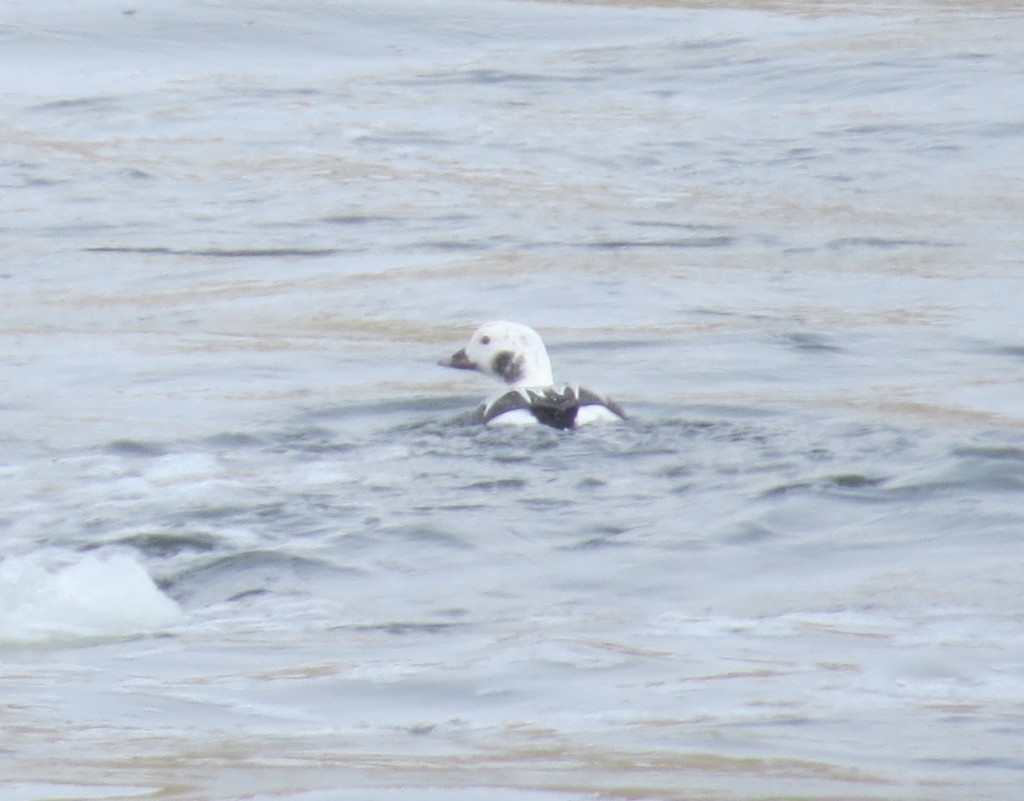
(556, 407)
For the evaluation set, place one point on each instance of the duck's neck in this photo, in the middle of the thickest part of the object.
(536, 372)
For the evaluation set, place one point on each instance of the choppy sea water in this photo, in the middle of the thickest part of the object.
(253, 551)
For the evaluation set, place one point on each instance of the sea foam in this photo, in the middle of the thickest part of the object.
(43, 599)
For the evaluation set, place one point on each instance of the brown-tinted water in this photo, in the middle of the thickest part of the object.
(253, 552)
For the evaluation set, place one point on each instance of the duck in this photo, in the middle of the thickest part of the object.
(514, 354)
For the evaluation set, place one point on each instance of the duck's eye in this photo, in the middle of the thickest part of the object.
(485, 340)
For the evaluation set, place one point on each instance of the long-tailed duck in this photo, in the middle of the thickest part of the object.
(515, 354)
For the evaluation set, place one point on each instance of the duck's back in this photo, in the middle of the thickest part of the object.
(557, 407)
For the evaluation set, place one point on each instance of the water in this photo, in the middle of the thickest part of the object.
(251, 549)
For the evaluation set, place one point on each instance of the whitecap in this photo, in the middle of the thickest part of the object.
(95, 596)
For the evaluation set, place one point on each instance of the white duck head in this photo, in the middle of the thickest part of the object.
(511, 352)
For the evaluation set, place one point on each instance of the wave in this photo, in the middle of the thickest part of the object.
(45, 598)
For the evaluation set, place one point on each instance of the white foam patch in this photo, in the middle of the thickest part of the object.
(95, 596)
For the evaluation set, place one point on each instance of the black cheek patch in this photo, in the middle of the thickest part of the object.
(508, 366)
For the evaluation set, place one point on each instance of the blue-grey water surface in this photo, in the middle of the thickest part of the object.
(253, 551)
